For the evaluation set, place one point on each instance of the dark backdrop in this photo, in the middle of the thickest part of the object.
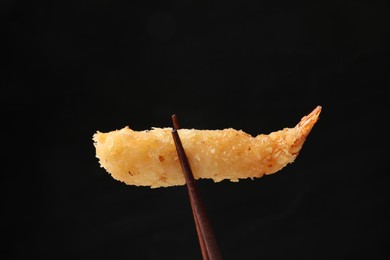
(71, 68)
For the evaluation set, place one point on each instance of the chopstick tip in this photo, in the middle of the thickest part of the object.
(175, 122)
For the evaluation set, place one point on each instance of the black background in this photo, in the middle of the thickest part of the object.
(71, 68)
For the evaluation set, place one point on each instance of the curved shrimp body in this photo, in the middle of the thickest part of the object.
(149, 158)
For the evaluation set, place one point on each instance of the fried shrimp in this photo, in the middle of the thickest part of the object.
(149, 158)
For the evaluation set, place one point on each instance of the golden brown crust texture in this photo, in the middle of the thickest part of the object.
(149, 158)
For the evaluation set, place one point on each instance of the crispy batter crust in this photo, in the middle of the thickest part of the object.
(149, 158)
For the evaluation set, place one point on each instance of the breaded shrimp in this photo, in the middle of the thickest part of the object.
(149, 158)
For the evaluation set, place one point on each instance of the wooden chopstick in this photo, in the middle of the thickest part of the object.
(206, 236)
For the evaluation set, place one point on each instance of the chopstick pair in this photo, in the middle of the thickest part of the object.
(206, 236)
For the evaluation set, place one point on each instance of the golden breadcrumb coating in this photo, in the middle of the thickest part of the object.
(149, 158)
